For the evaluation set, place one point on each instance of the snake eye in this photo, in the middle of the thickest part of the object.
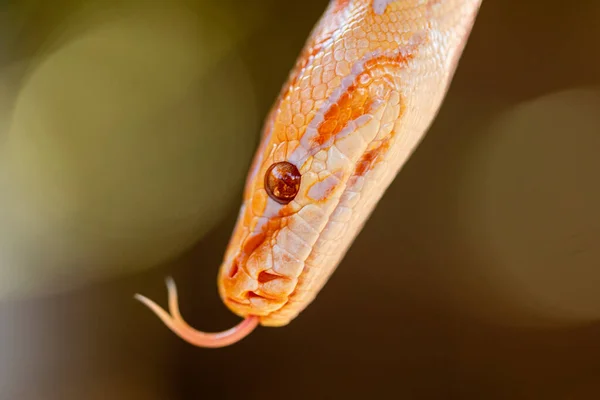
(282, 182)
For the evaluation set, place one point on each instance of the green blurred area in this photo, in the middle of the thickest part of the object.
(126, 130)
(128, 137)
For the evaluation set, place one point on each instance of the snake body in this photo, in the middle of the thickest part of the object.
(364, 91)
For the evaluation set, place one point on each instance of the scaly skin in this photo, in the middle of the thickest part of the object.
(364, 91)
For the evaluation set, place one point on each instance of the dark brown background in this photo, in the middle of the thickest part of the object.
(476, 278)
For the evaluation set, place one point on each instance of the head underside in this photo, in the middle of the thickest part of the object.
(366, 87)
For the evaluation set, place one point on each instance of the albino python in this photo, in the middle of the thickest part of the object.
(364, 91)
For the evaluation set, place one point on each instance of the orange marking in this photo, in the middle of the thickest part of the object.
(254, 241)
(351, 105)
(375, 155)
(368, 160)
(234, 269)
(357, 100)
(339, 5)
(400, 59)
(323, 188)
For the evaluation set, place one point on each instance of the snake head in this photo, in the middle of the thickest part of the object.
(366, 87)
(318, 170)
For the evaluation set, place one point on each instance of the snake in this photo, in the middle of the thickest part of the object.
(365, 89)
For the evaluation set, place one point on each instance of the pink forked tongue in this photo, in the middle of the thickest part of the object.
(175, 322)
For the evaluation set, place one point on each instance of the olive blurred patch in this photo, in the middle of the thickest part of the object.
(126, 132)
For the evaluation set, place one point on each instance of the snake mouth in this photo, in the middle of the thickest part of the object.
(236, 302)
(247, 302)
(261, 268)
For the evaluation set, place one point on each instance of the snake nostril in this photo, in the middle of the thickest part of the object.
(253, 295)
(265, 277)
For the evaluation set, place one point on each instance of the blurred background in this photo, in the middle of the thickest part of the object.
(126, 129)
